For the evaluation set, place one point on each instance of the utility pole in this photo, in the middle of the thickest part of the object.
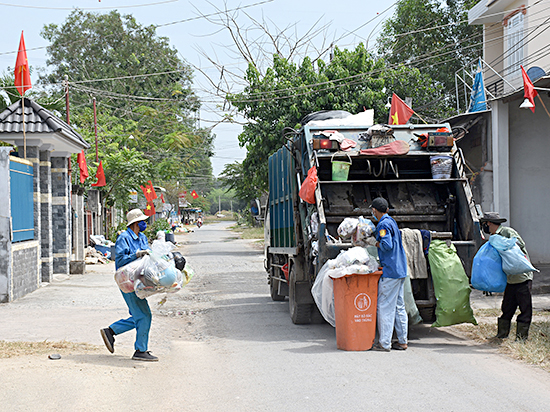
(68, 118)
(95, 129)
(219, 204)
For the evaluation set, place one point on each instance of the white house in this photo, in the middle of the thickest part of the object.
(511, 145)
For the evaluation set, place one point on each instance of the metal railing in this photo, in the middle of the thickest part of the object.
(464, 78)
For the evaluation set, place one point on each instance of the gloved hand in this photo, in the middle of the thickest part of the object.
(371, 241)
(141, 253)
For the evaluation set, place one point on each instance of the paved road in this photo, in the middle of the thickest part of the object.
(224, 345)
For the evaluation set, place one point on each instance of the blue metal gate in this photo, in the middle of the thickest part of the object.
(22, 205)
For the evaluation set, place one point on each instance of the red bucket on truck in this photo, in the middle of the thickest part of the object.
(355, 300)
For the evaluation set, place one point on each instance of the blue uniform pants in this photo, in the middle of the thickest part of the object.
(391, 311)
(140, 319)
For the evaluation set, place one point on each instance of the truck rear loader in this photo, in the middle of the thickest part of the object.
(300, 237)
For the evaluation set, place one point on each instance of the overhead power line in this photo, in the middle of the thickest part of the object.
(87, 8)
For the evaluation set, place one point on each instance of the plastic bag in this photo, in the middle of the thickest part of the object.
(451, 287)
(514, 262)
(323, 294)
(365, 229)
(347, 227)
(487, 273)
(413, 313)
(355, 260)
(307, 191)
(125, 276)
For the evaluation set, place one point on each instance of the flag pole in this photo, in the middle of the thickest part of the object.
(23, 110)
(425, 122)
(543, 105)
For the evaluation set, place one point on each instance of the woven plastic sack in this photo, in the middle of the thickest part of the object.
(487, 273)
(451, 286)
(307, 191)
(514, 262)
(410, 305)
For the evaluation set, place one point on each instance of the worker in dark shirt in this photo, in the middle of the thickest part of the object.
(391, 304)
(518, 287)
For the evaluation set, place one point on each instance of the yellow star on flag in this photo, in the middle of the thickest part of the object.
(148, 190)
(148, 207)
(395, 118)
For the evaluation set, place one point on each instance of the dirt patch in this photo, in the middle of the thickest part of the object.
(535, 351)
(21, 348)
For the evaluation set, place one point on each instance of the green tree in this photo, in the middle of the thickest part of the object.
(142, 88)
(435, 37)
(353, 80)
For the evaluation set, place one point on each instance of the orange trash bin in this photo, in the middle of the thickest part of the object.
(355, 300)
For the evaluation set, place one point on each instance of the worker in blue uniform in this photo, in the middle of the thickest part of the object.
(130, 245)
(391, 304)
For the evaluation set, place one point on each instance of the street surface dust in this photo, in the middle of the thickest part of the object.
(224, 345)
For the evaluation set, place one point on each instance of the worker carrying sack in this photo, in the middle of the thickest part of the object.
(307, 191)
(487, 273)
(451, 286)
(514, 262)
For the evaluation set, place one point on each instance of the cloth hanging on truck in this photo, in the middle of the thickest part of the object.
(416, 260)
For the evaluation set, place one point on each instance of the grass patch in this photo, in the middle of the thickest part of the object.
(247, 232)
(535, 351)
(21, 348)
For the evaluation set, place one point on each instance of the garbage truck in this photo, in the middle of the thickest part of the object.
(417, 168)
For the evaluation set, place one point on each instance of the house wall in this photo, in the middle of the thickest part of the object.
(529, 138)
(25, 268)
(538, 48)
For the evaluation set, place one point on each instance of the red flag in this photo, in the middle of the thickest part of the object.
(152, 190)
(400, 113)
(22, 72)
(81, 159)
(100, 174)
(194, 194)
(530, 91)
(149, 209)
(162, 198)
(149, 192)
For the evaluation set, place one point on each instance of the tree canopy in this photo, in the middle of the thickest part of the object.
(433, 36)
(145, 104)
(353, 80)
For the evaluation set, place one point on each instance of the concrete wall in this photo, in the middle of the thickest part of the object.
(46, 239)
(5, 235)
(61, 234)
(530, 176)
(25, 268)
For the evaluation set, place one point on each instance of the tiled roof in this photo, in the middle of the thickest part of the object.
(37, 120)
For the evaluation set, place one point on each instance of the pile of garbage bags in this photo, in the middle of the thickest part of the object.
(159, 272)
(497, 259)
(360, 230)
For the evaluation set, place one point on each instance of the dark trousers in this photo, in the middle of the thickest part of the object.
(518, 295)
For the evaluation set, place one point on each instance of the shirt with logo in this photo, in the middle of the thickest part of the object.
(390, 251)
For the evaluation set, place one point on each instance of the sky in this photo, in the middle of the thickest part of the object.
(348, 21)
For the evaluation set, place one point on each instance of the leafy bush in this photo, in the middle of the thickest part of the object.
(159, 224)
(114, 231)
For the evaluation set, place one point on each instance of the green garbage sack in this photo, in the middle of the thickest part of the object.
(410, 305)
(451, 286)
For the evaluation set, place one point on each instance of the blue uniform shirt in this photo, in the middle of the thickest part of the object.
(127, 244)
(390, 251)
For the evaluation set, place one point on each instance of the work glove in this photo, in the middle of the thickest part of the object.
(141, 253)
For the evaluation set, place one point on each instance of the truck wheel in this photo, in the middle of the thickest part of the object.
(274, 287)
(300, 313)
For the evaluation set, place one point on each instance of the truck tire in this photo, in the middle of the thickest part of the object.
(274, 286)
(300, 313)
